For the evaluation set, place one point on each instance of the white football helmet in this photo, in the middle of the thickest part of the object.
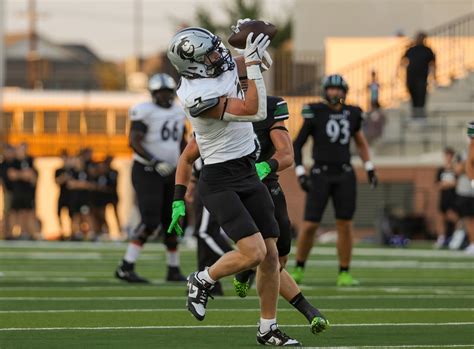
(192, 52)
(161, 82)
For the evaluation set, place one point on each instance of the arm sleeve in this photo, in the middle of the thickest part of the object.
(299, 142)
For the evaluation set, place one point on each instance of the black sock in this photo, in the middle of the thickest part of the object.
(304, 307)
(341, 269)
(449, 228)
(300, 264)
(244, 276)
(127, 266)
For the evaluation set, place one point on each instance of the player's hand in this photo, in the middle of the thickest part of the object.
(179, 211)
(263, 169)
(163, 168)
(373, 180)
(305, 183)
(255, 48)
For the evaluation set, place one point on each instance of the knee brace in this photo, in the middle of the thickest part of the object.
(171, 241)
(143, 232)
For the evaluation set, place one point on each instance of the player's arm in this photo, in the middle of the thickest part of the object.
(364, 153)
(138, 130)
(254, 107)
(183, 176)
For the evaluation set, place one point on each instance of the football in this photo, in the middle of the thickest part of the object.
(238, 40)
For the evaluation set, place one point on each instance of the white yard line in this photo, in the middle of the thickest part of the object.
(399, 346)
(174, 310)
(226, 326)
(146, 298)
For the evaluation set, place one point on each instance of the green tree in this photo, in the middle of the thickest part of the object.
(241, 9)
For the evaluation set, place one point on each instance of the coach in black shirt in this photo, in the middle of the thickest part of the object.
(419, 61)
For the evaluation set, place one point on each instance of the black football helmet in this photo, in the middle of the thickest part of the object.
(337, 81)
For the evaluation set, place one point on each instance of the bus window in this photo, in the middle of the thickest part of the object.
(50, 123)
(6, 121)
(121, 117)
(74, 121)
(28, 122)
(96, 121)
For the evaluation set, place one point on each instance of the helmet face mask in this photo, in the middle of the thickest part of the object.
(162, 88)
(335, 89)
(197, 53)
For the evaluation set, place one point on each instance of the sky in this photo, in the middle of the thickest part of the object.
(107, 25)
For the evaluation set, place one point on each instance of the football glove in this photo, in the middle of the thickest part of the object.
(163, 168)
(373, 181)
(179, 211)
(267, 60)
(305, 183)
(263, 169)
(255, 49)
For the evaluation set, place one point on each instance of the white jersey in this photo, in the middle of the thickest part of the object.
(164, 133)
(218, 140)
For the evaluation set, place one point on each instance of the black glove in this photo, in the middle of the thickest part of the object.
(305, 183)
(373, 181)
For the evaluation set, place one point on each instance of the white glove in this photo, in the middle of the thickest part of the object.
(236, 28)
(267, 60)
(164, 169)
(254, 50)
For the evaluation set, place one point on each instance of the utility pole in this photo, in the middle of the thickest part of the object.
(33, 74)
(138, 33)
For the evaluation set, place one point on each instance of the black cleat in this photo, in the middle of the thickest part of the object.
(174, 274)
(130, 276)
(198, 293)
(276, 338)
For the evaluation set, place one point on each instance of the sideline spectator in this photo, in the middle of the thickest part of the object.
(420, 61)
(62, 176)
(6, 163)
(374, 89)
(23, 177)
(446, 181)
(112, 195)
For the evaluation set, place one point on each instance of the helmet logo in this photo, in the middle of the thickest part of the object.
(185, 50)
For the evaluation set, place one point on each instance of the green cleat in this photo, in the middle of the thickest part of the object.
(297, 274)
(319, 324)
(345, 279)
(241, 288)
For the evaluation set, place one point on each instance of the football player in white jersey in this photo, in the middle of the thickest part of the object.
(156, 137)
(229, 185)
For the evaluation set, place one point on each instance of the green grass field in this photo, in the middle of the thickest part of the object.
(63, 295)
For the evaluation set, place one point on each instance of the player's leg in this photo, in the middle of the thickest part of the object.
(170, 240)
(316, 201)
(148, 190)
(344, 201)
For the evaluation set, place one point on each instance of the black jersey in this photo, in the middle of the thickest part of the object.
(277, 110)
(331, 131)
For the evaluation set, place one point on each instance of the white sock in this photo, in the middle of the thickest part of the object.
(173, 258)
(133, 251)
(266, 324)
(204, 275)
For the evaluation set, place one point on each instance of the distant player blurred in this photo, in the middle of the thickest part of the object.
(332, 124)
(156, 137)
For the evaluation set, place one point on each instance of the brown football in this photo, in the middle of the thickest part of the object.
(238, 40)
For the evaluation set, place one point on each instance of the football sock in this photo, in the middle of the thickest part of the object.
(341, 269)
(304, 307)
(266, 325)
(127, 266)
(245, 275)
(204, 275)
(172, 258)
(133, 251)
(300, 264)
(449, 228)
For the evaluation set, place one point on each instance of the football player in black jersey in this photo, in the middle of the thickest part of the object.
(331, 124)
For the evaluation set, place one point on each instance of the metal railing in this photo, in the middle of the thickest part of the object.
(453, 44)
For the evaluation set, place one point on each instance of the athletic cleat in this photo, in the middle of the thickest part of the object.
(130, 276)
(319, 324)
(241, 288)
(174, 275)
(297, 274)
(276, 338)
(198, 293)
(345, 279)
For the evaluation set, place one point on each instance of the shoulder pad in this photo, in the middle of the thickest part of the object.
(140, 111)
(202, 106)
(281, 110)
(307, 111)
